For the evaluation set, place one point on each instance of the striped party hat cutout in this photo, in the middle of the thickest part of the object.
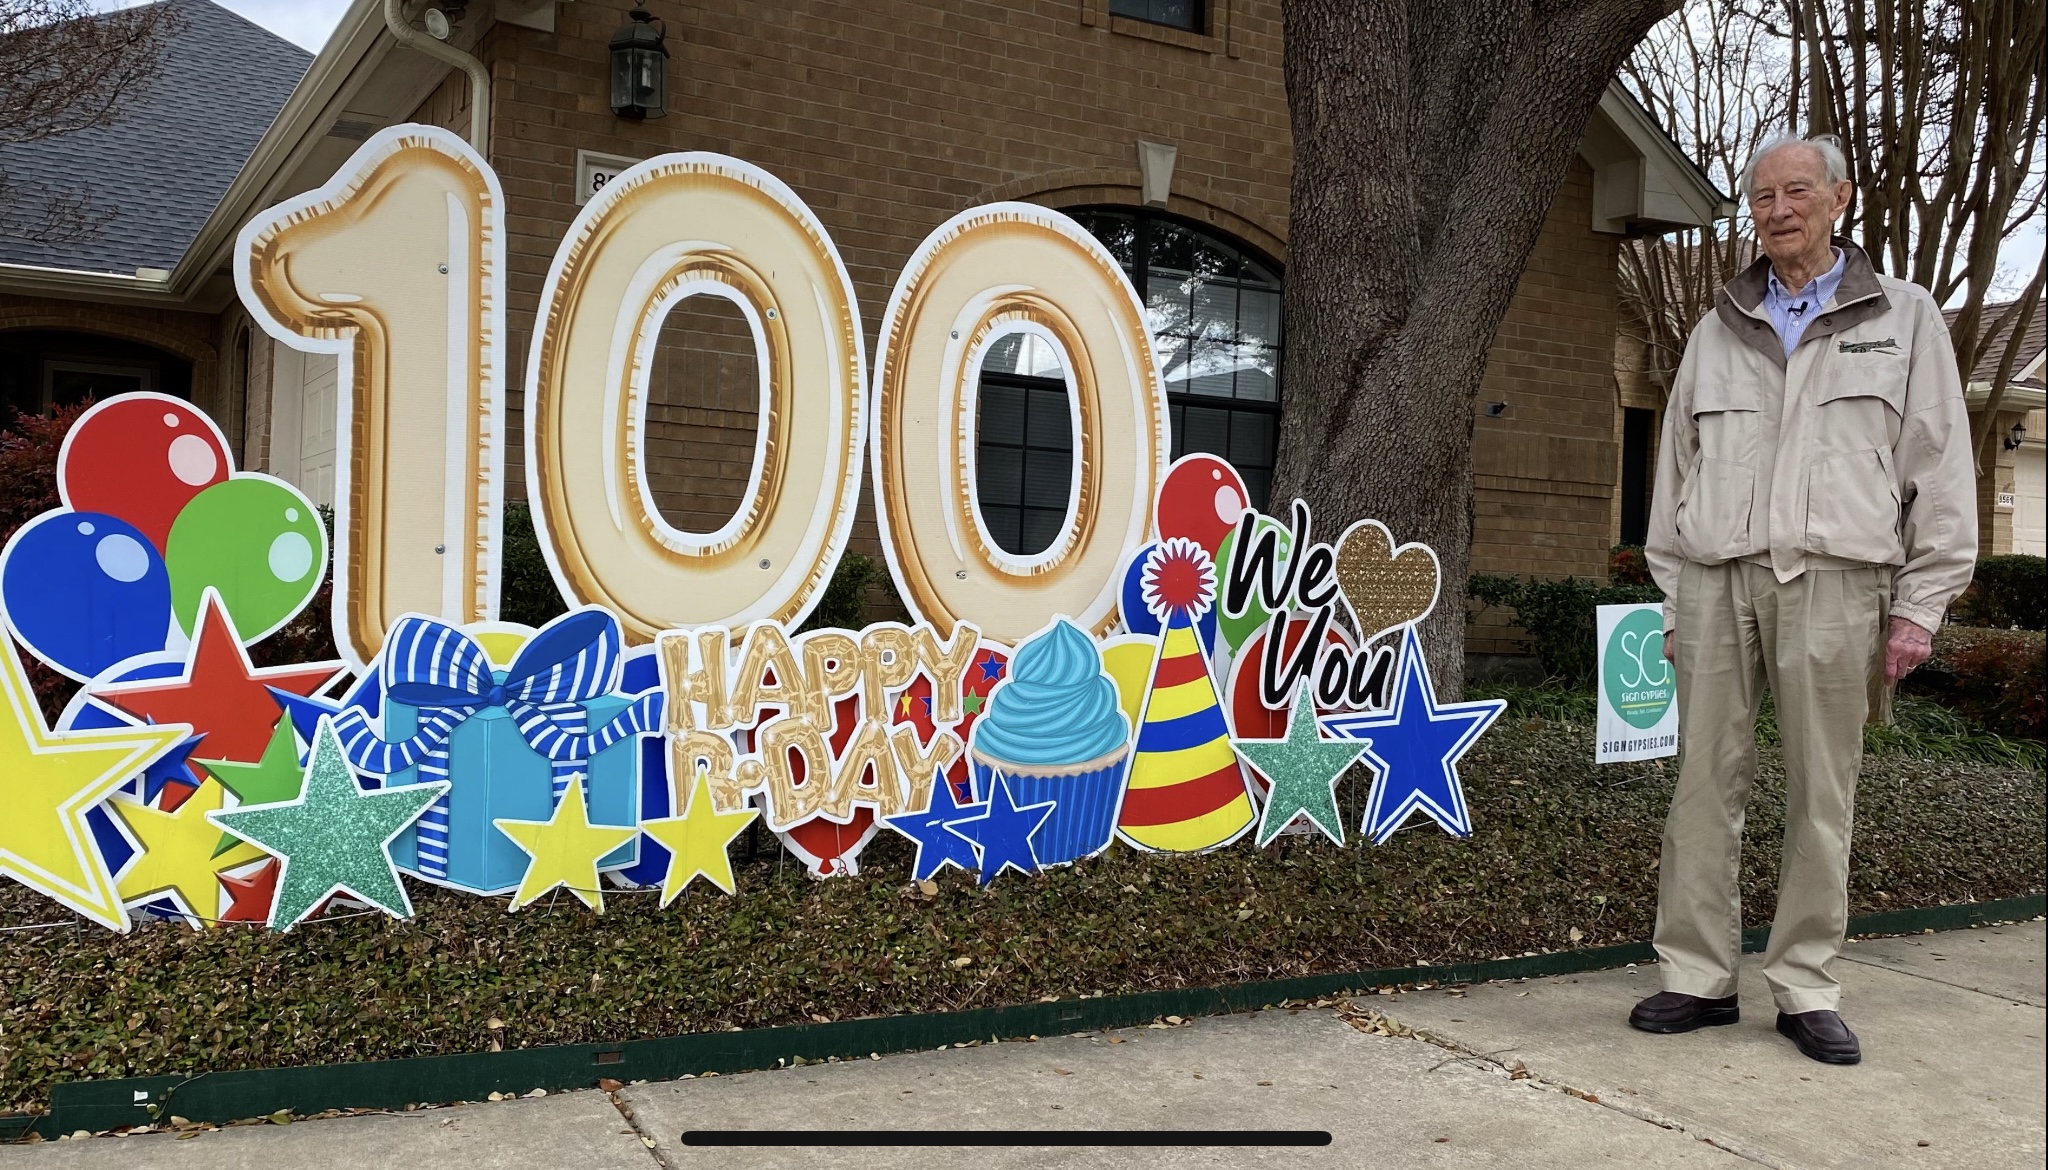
(1186, 791)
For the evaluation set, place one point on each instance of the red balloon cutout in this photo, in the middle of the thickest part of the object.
(1201, 499)
(141, 458)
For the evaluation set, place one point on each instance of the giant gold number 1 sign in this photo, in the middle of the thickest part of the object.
(397, 266)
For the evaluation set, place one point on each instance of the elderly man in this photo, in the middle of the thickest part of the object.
(1815, 514)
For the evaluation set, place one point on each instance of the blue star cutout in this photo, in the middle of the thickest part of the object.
(173, 765)
(936, 848)
(1414, 750)
(991, 670)
(1003, 833)
(367, 692)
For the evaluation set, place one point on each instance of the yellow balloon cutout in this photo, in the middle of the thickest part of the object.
(565, 850)
(48, 781)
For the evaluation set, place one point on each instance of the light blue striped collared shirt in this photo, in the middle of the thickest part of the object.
(1791, 313)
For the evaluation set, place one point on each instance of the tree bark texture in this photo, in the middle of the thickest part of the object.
(1430, 139)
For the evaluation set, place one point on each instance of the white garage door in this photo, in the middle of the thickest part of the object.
(2030, 502)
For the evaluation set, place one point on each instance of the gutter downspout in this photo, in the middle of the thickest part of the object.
(479, 77)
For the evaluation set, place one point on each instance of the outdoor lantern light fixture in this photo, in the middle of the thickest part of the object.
(2017, 437)
(640, 67)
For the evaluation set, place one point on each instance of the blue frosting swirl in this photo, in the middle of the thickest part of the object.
(1057, 708)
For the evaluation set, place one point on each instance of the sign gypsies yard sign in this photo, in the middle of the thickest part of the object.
(1174, 672)
(1638, 717)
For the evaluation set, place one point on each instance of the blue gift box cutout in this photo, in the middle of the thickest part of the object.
(496, 775)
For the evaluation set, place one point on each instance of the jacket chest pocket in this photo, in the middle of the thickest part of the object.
(1861, 398)
(1729, 418)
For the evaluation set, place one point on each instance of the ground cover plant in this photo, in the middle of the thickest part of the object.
(1564, 855)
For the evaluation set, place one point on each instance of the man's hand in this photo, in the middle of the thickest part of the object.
(1907, 647)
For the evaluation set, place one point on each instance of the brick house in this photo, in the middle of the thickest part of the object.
(1159, 124)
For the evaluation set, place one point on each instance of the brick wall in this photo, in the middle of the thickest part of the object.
(1544, 471)
(886, 118)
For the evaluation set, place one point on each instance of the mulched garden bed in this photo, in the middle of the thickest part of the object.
(1564, 856)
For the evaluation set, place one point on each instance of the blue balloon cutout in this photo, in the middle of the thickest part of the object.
(85, 590)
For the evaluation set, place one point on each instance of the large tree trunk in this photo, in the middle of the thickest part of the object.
(1429, 141)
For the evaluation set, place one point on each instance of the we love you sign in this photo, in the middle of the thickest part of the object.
(1175, 672)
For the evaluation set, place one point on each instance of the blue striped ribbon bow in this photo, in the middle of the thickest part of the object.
(446, 676)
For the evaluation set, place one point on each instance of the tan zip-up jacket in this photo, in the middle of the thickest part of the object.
(1855, 451)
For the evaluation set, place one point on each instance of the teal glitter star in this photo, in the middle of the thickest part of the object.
(334, 836)
(1304, 769)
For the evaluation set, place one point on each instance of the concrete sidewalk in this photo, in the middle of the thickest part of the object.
(1541, 1073)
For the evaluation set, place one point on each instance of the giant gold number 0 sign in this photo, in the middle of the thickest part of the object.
(670, 228)
(997, 270)
(397, 267)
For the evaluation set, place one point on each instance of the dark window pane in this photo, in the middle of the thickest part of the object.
(1041, 528)
(1251, 439)
(1047, 477)
(1005, 526)
(1258, 483)
(1185, 14)
(999, 475)
(1000, 415)
(1203, 429)
(1049, 426)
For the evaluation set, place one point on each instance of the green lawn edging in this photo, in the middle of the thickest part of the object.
(393, 1084)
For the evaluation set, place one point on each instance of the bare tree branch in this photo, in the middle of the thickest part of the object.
(65, 67)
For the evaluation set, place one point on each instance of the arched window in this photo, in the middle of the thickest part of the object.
(1214, 307)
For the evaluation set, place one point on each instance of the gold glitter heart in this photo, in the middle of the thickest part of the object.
(1386, 587)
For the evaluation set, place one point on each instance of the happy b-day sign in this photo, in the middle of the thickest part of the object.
(1176, 671)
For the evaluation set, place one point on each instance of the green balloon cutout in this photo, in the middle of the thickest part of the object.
(1237, 630)
(254, 539)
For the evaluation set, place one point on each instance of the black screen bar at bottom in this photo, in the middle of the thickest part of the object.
(1005, 1137)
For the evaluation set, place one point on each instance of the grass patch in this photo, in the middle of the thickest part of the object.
(1920, 728)
(1563, 855)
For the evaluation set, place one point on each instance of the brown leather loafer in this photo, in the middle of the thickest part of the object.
(1821, 1036)
(1670, 1012)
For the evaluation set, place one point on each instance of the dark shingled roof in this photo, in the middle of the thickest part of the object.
(156, 174)
(2033, 337)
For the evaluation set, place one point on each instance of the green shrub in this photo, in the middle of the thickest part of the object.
(1558, 616)
(845, 603)
(526, 589)
(1627, 564)
(1993, 678)
(2008, 592)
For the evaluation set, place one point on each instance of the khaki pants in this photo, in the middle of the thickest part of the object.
(1816, 639)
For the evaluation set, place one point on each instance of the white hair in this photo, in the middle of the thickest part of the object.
(1827, 146)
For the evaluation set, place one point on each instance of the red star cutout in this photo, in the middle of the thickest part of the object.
(220, 693)
(252, 894)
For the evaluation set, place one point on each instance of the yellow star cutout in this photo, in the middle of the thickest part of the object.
(178, 853)
(565, 850)
(48, 781)
(697, 841)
